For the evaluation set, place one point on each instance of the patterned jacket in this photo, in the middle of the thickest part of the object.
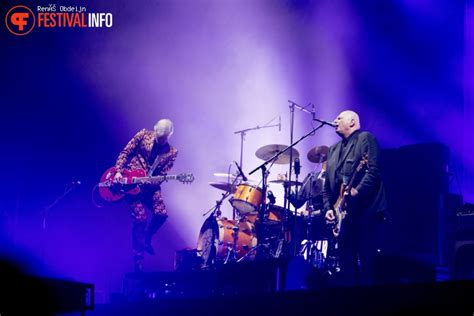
(137, 154)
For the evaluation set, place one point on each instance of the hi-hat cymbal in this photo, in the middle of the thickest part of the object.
(286, 182)
(225, 175)
(231, 177)
(318, 154)
(268, 151)
(225, 186)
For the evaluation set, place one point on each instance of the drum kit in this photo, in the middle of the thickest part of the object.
(253, 234)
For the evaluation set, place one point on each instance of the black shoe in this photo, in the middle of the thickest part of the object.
(149, 249)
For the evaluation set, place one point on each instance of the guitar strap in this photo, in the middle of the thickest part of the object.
(155, 164)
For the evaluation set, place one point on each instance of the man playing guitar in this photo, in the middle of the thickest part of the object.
(353, 176)
(150, 151)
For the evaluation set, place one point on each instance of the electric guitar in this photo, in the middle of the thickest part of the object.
(340, 207)
(112, 191)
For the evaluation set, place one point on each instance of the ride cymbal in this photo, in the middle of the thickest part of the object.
(268, 151)
(318, 154)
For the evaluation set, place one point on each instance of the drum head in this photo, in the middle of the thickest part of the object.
(247, 198)
(208, 242)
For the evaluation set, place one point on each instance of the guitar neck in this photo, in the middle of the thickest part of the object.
(152, 180)
(351, 181)
(347, 188)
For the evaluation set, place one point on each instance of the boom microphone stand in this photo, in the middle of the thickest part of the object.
(242, 138)
(263, 209)
(244, 131)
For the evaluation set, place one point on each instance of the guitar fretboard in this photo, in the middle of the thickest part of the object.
(153, 179)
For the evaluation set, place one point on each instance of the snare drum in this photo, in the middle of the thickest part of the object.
(216, 239)
(247, 198)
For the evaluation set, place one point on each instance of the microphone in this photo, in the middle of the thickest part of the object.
(325, 122)
(279, 123)
(313, 111)
(297, 166)
(241, 172)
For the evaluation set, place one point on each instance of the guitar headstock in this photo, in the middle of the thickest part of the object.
(185, 177)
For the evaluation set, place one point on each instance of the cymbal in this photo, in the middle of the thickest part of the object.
(225, 186)
(318, 154)
(286, 182)
(231, 177)
(268, 151)
(225, 175)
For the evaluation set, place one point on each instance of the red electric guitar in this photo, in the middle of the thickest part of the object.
(112, 191)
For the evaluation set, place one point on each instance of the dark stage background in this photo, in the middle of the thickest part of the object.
(70, 99)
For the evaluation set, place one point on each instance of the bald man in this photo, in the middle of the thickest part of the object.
(366, 201)
(148, 150)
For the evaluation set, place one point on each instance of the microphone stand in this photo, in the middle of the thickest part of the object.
(263, 210)
(286, 203)
(242, 138)
(294, 105)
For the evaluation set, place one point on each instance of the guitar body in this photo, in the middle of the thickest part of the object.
(339, 211)
(340, 207)
(112, 192)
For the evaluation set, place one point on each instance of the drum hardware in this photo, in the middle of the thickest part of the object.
(242, 138)
(265, 245)
(244, 131)
(232, 246)
(320, 250)
(207, 236)
(312, 112)
(224, 241)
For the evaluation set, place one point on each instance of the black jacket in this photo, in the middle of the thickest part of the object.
(371, 197)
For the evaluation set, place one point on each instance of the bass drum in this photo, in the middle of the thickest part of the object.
(216, 240)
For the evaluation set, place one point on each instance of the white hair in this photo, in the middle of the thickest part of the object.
(164, 127)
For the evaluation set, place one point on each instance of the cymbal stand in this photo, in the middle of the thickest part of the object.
(262, 234)
(297, 169)
(286, 202)
(244, 131)
(216, 209)
(242, 138)
(232, 248)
